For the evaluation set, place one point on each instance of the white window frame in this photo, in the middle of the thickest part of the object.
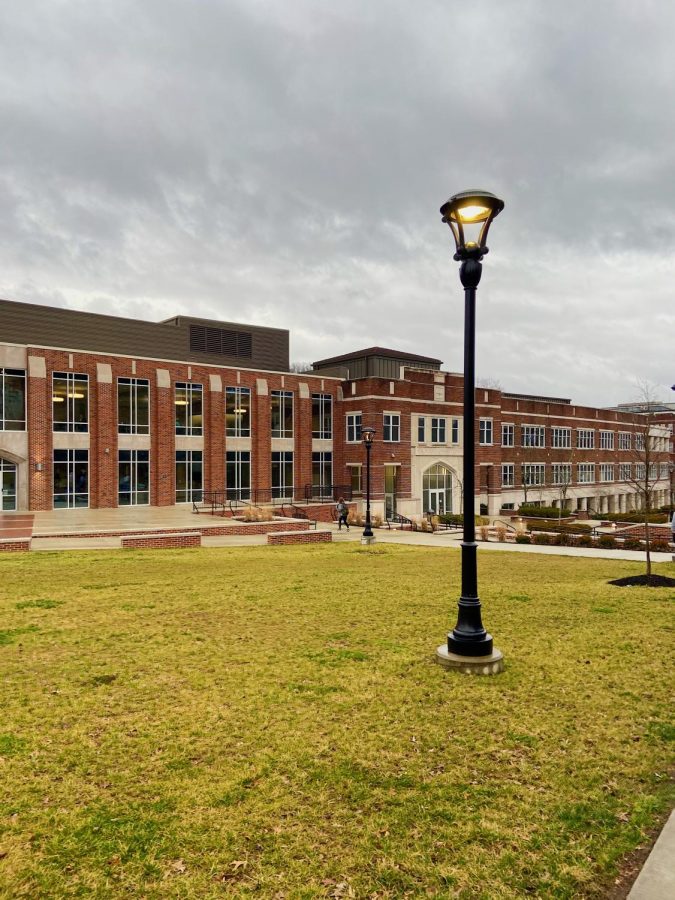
(606, 472)
(353, 428)
(585, 439)
(508, 434)
(536, 469)
(586, 473)
(485, 432)
(438, 430)
(561, 437)
(391, 428)
(557, 470)
(508, 475)
(606, 440)
(533, 436)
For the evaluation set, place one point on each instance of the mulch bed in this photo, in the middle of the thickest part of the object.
(645, 581)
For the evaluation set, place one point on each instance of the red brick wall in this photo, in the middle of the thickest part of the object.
(15, 545)
(301, 537)
(161, 541)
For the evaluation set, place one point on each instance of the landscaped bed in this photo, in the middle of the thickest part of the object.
(213, 723)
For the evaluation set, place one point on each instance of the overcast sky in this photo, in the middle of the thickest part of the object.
(282, 163)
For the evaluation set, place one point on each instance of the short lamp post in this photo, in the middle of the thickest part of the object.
(469, 647)
(367, 436)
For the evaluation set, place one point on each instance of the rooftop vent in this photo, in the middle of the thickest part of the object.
(205, 339)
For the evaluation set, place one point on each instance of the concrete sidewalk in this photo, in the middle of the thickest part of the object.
(656, 881)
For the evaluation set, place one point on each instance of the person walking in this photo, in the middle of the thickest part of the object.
(342, 511)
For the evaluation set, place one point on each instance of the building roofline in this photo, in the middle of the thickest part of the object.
(377, 351)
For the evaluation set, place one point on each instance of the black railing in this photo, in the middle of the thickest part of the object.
(297, 512)
(403, 521)
(327, 492)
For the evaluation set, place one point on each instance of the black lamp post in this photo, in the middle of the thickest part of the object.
(367, 436)
(469, 647)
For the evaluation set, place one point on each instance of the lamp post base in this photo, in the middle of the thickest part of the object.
(471, 665)
(368, 539)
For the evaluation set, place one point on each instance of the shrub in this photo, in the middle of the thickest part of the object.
(484, 533)
(501, 533)
(541, 538)
(563, 539)
(523, 539)
(543, 512)
(607, 542)
(458, 521)
(631, 543)
(584, 540)
(637, 516)
(564, 527)
(660, 546)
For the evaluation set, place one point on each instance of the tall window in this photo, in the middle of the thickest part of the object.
(438, 431)
(624, 440)
(355, 480)
(437, 490)
(134, 478)
(508, 474)
(322, 475)
(421, 429)
(133, 406)
(586, 473)
(238, 411)
(282, 475)
(561, 473)
(606, 440)
(238, 474)
(585, 438)
(455, 431)
(625, 472)
(70, 401)
(12, 400)
(322, 416)
(353, 428)
(606, 472)
(7, 485)
(71, 478)
(639, 440)
(561, 438)
(189, 476)
(533, 436)
(282, 414)
(640, 471)
(391, 427)
(533, 473)
(485, 431)
(508, 435)
(189, 409)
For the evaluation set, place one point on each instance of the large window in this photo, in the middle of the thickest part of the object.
(353, 428)
(586, 473)
(322, 475)
(485, 431)
(70, 401)
(533, 435)
(189, 408)
(561, 438)
(639, 440)
(134, 478)
(437, 490)
(455, 431)
(606, 440)
(561, 473)
(238, 412)
(12, 400)
(189, 476)
(508, 435)
(533, 474)
(282, 475)
(438, 431)
(7, 485)
(625, 472)
(238, 474)
(355, 480)
(322, 416)
(624, 440)
(606, 472)
(391, 427)
(585, 439)
(71, 478)
(508, 474)
(282, 414)
(133, 406)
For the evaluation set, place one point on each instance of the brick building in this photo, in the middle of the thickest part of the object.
(102, 411)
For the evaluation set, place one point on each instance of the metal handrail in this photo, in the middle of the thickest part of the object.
(399, 519)
(297, 513)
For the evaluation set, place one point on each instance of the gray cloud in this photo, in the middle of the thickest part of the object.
(283, 163)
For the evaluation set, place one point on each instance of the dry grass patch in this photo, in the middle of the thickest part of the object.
(214, 723)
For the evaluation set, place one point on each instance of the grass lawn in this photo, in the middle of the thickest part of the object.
(270, 721)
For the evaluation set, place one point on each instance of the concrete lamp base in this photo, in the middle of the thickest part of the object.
(367, 541)
(471, 665)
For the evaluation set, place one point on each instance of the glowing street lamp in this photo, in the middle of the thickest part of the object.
(469, 647)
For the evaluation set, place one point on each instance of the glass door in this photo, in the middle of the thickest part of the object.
(8, 485)
(390, 486)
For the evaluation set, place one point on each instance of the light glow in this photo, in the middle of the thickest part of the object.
(473, 213)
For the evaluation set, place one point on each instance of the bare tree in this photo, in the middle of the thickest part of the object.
(646, 456)
(300, 367)
(488, 382)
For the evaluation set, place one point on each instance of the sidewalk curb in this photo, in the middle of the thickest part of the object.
(656, 880)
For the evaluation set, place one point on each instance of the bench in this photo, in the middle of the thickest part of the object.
(299, 537)
(162, 541)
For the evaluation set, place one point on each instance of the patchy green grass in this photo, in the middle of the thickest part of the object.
(270, 722)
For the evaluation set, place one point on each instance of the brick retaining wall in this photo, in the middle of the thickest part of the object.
(300, 537)
(162, 541)
(12, 545)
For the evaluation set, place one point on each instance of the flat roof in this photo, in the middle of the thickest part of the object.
(378, 351)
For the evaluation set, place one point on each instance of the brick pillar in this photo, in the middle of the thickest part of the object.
(261, 463)
(102, 440)
(302, 460)
(214, 436)
(39, 422)
(163, 447)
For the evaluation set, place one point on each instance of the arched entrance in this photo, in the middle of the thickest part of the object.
(7, 485)
(437, 489)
